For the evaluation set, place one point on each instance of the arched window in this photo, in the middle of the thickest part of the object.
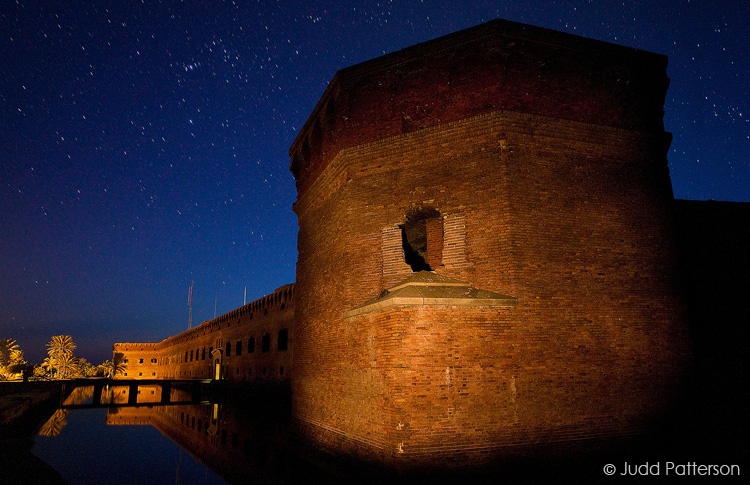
(283, 342)
(251, 345)
(265, 342)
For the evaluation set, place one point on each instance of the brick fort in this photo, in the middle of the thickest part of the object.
(487, 258)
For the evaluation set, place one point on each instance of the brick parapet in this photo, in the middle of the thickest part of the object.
(496, 66)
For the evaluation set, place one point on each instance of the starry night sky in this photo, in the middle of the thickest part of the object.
(143, 145)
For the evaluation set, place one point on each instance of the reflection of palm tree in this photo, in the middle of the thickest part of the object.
(55, 424)
(79, 395)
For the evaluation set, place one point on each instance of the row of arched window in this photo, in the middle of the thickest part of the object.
(236, 348)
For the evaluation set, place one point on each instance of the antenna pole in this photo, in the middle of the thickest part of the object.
(190, 305)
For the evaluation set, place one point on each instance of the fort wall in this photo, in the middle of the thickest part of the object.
(567, 210)
(253, 342)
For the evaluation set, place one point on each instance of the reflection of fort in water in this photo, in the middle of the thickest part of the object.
(236, 445)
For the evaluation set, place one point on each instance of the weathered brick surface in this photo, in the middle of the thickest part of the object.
(499, 65)
(567, 209)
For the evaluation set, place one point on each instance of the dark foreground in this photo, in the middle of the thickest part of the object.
(705, 427)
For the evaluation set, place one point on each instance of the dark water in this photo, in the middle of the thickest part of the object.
(249, 440)
(89, 451)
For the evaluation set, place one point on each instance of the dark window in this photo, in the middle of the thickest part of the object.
(186, 357)
(422, 238)
(228, 351)
(265, 342)
(251, 345)
(210, 351)
(191, 356)
(238, 348)
(281, 370)
(153, 361)
(203, 354)
(283, 339)
(140, 361)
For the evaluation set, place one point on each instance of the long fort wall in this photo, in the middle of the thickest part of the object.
(253, 342)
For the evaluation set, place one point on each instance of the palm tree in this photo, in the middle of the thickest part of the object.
(66, 366)
(62, 364)
(118, 364)
(8, 346)
(11, 358)
(61, 344)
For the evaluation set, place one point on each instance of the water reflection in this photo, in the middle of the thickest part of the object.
(88, 450)
(240, 441)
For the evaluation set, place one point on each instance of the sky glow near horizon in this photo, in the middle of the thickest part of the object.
(143, 145)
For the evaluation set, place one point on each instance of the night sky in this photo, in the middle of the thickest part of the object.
(143, 145)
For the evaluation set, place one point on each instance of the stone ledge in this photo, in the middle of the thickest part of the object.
(426, 288)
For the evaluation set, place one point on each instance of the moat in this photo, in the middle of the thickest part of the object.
(246, 436)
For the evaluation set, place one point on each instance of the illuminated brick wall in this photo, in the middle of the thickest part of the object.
(253, 342)
(544, 157)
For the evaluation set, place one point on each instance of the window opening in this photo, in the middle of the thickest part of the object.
(283, 339)
(422, 240)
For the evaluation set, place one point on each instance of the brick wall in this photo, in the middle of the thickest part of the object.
(571, 218)
(237, 336)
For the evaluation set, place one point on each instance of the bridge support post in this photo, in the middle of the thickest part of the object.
(97, 400)
(133, 394)
(195, 394)
(166, 392)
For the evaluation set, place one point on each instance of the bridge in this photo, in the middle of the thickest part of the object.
(192, 390)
